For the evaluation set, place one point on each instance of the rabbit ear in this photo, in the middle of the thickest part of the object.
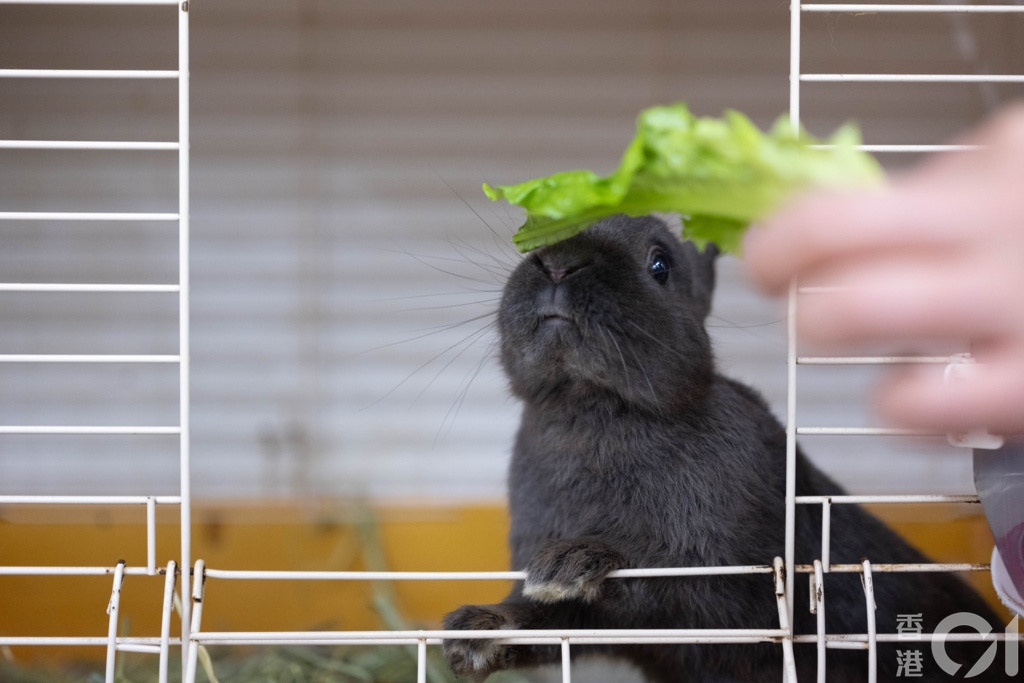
(702, 274)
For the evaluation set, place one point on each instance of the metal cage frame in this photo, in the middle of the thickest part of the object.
(171, 572)
(193, 591)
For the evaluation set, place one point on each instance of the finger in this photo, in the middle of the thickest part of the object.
(801, 234)
(992, 398)
(998, 141)
(823, 227)
(899, 298)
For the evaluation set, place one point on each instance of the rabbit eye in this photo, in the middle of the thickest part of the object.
(658, 266)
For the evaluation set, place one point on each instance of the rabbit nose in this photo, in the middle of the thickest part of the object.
(557, 274)
(557, 269)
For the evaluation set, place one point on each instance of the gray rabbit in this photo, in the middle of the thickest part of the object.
(634, 452)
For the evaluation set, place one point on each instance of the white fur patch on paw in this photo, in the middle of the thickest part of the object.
(483, 655)
(554, 591)
(472, 656)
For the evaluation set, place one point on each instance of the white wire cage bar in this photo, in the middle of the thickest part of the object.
(88, 358)
(909, 149)
(93, 145)
(863, 431)
(211, 573)
(101, 288)
(89, 216)
(172, 571)
(82, 430)
(910, 78)
(865, 8)
(80, 3)
(72, 571)
(873, 360)
(136, 74)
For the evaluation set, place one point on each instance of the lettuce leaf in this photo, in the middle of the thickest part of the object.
(719, 174)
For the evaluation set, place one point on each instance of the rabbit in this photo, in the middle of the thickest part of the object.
(634, 452)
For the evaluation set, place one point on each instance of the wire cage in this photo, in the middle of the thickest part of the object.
(196, 584)
(131, 212)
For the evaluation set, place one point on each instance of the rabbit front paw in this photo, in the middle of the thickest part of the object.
(476, 658)
(570, 569)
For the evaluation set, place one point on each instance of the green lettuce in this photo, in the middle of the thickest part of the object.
(719, 174)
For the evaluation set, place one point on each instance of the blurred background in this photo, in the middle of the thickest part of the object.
(345, 264)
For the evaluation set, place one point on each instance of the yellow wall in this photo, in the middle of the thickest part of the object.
(292, 535)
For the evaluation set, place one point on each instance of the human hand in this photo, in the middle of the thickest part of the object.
(937, 255)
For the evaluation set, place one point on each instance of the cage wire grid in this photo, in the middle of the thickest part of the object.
(782, 570)
(171, 572)
(194, 595)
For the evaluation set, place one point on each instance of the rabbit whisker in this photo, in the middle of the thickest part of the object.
(462, 345)
(427, 261)
(607, 334)
(671, 349)
(453, 411)
(642, 367)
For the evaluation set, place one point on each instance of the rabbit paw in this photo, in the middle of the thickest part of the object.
(476, 658)
(570, 569)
